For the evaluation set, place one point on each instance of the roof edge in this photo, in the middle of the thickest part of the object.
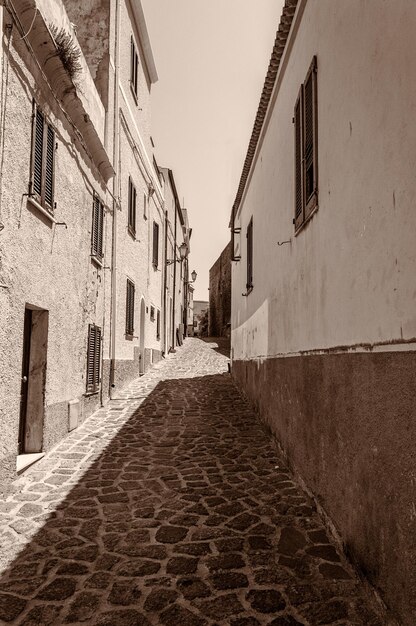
(145, 40)
(286, 19)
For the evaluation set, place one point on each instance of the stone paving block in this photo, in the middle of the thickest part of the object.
(172, 510)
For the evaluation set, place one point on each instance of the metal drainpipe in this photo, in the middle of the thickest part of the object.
(165, 279)
(174, 284)
(116, 133)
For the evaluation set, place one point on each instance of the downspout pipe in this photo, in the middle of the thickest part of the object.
(174, 281)
(116, 147)
(165, 279)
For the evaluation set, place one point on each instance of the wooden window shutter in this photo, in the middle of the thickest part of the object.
(249, 236)
(155, 244)
(97, 228)
(93, 358)
(37, 176)
(158, 324)
(299, 210)
(49, 166)
(134, 62)
(132, 195)
(310, 139)
(130, 292)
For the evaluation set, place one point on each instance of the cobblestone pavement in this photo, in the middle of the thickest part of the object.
(171, 506)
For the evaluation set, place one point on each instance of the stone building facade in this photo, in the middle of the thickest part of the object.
(220, 295)
(323, 297)
(82, 217)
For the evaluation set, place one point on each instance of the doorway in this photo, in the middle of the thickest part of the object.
(32, 396)
(142, 329)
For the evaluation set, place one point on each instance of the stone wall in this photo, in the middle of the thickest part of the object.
(220, 295)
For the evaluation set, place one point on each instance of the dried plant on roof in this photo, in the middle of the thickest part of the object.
(67, 50)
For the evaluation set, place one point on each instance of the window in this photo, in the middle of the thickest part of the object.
(43, 161)
(132, 208)
(306, 148)
(152, 313)
(130, 308)
(155, 244)
(134, 68)
(145, 206)
(93, 358)
(158, 324)
(97, 228)
(249, 235)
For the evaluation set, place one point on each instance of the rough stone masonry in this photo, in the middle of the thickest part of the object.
(172, 507)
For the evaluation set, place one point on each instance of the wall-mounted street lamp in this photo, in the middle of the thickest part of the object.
(183, 249)
(193, 276)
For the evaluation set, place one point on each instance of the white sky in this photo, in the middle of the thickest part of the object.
(212, 57)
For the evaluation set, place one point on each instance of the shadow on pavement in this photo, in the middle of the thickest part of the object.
(223, 344)
(186, 517)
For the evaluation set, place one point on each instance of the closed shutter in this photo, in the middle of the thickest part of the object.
(93, 358)
(49, 166)
(158, 324)
(132, 195)
(97, 228)
(38, 154)
(155, 244)
(130, 293)
(249, 284)
(306, 147)
(134, 62)
(310, 140)
(299, 213)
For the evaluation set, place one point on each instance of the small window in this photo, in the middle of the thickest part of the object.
(155, 245)
(130, 308)
(145, 206)
(93, 358)
(132, 208)
(306, 148)
(158, 324)
(249, 235)
(134, 68)
(42, 161)
(152, 313)
(97, 228)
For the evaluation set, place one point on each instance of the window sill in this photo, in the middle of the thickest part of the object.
(41, 209)
(128, 337)
(24, 461)
(302, 226)
(87, 394)
(97, 261)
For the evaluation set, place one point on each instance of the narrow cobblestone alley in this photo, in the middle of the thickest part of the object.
(171, 506)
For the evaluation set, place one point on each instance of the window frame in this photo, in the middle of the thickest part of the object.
(131, 208)
(97, 229)
(94, 359)
(308, 205)
(157, 324)
(134, 68)
(130, 302)
(48, 150)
